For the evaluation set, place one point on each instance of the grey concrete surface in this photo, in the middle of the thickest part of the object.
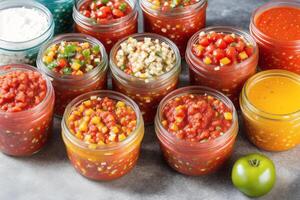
(48, 175)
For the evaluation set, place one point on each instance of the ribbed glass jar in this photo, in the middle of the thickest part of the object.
(146, 93)
(26, 132)
(103, 162)
(25, 52)
(196, 158)
(67, 87)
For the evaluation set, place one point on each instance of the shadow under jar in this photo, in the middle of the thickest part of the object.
(108, 32)
(69, 86)
(24, 50)
(102, 161)
(178, 23)
(276, 28)
(194, 151)
(147, 93)
(229, 78)
(271, 110)
(24, 126)
(62, 11)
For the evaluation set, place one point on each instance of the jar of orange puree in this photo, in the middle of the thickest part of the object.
(270, 104)
(276, 28)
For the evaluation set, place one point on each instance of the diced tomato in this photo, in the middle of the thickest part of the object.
(218, 54)
(204, 42)
(221, 43)
(117, 13)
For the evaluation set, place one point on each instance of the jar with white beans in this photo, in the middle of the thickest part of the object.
(145, 67)
(25, 26)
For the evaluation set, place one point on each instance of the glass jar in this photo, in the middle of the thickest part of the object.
(230, 79)
(271, 132)
(62, 11)
(26, 132)
(178, 25)
(276, 54)
(108, 34)
(68, 87)
(146, 93)
(104, 162)
(24, 52)
(194, 158)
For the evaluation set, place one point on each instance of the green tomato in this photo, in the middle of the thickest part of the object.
(254, 175)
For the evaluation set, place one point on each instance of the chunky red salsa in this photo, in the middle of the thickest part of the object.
(104, 11)
(222, 49)
(280, 23)
(196, 118)
(21, 90)
(102, 121)
(167, 5)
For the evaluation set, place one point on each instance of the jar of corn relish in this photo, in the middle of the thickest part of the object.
(222, 58)
(176, 20)
(26, 109)
(62, 14)
(108, 22)
(103, 131)
(276, 28)
(145, 80)
(271, 109)
(196, 128)
(76, 64)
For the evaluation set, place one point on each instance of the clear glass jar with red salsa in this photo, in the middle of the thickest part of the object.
(196, 128)
(176, 20)
(73, 71)
(146, 91)
(26, 109)
(104, 27)
(102, 132)
(222, 58)
(276, 28)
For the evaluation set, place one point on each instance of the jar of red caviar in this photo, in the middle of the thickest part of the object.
(229, 78)
(176, 22)
(24, 128)
(107, 32)
(195, 156)
(271, 110)
(276, 28)
(103, 161)
(148, 92)
(67, 85)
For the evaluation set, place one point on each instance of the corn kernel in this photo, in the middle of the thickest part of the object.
(228, 116)
(89, 112)
(243, 55)
(207, 60)
(122, 137)
(83, 126)
(75, 66)
(225, 61)
(115, 129)
(174, 127)
(96, 120)
(120, 104)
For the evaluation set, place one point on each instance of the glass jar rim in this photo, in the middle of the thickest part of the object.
(262, 36)
(78, 17)
(142, 82)
(224, 29)
(102, 93)
(25, 67)
(175, 11)
(195, 90)
(73, 37)
(48, 33)
(245, 101)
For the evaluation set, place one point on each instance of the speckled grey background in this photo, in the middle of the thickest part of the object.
(48, 175)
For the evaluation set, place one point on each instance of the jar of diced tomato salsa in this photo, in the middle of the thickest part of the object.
(222, 58)
(103, 131)
(146, 68)
(26, 109)
(271, 109)
(196, 128)
(75, 64)
(177, 20)
(276, 28)
(62, 14)
(106, 20)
